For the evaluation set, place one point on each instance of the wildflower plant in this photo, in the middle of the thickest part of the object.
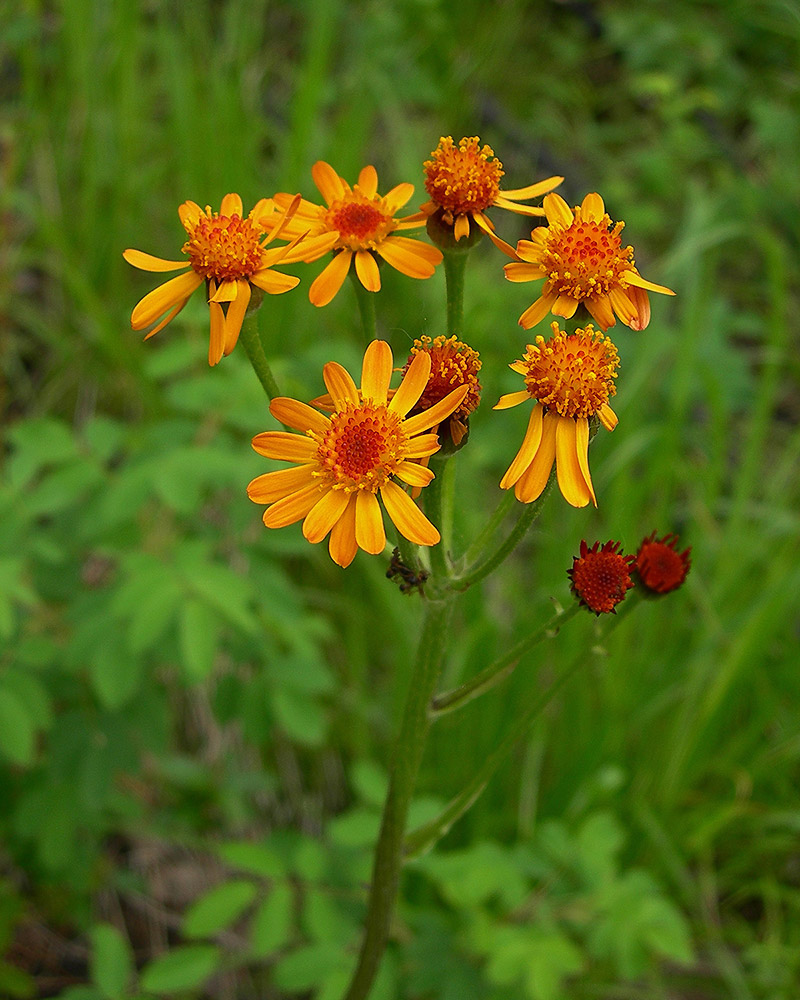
(388, 443)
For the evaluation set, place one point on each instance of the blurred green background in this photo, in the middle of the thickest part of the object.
(196, 714)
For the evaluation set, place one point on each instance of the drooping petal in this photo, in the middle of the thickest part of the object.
(283, 446)
(376, 372)
(368, 181)
(536, 313)
(413, 385)
(342, 545)
(512, 206)
(527, 451)
(600, 310)
(147, 262)
(411, 257)
(486, 225)
(568, 471)
(582, 448)
(298, 415)
(167, 319)
(216, 342)
(400, 195)
(422, 446)
(328, 182)
(370, 533)
(367, 271)
(324, 514)
(157, 302)
(557, 210)
(437, 413)
(608, 418)
(227, 291)
(340, 385)
(511, 399)
(327, 284)
(235, 314)
(592, 208)
(293, 508)
(622, 305)
(272, 486)
(414, 474)
(307, 249)
(641, 303)
(461, 227)
(533, 190)
(231, 205)
(533, 481)
(634, 278)
(524, 271)
(406, 516)
(274, 282)
(565, 306)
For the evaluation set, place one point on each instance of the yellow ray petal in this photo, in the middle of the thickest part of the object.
(414, 474)
(601, 312)
(370, 533)
(461, 227)
(533, 481)
(519, 271)
(582, 449)
(528, 448)
(536, 313)
(399, 196)
(410, 257)
(367, 271)
(283, 446)
(634, 278)
(309, 249)
(437, 413)
(533, 190)
(340, 384)
(274, 282)
(641, 303)
(147, 262)
(273, 486)
(511, 399)
(519, 366)
(368, 181)
(376, 372)
(422, 446)
(342, 545)
(608, 418)
(327, 284)
(216, 342)
(592, 207)
(189, 213)
(557, 210)
(622, 305)
(170, 294)
(235, 315)
(565, 306)
(324, 514)
(413, 385)
(292, 508)
(226, 292)
(486, 225)
(231, 205)
(328, 182)
(406, 516)
(568, 471)
(298, 415)
(512, 206)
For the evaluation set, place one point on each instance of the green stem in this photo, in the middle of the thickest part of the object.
(405, 767)
(483, 567)
(477, 547)
(455, 263)
(449, 701)
(424, 837)
(366, 307)
(439, 496)
(251, 341)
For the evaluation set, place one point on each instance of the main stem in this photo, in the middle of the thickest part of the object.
(405, 767)
(251, 341)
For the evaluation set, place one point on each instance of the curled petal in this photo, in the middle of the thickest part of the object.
(568, 470)
(565, 306)
(531, 484)
(170, 294)
(634, 278)
(216, 342)
(235, 315)
(414, 474)
(274, 282)
(511, 399)
(582, 446)
(527, 451)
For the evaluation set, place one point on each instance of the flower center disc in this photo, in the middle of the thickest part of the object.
(360, 222)
(601, 579)
(587, 258)
(362, 447)
(465, 178)
(453, 364)
(224, 248)
(574, 373)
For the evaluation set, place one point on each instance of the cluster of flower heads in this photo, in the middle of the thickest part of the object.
(601, 575)
(377, 438)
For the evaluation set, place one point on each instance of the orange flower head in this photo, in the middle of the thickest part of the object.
(571, 377)
(601, 576)
(660, 566)
(344, 462)
(453, 363)
(230, 253)
(464, 180)
(363, 227)
(581, 256)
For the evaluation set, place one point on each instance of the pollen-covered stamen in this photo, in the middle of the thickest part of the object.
(601, 576)
(362, 448)
(360, 221)
(453, 364)
(572, 374)
(224, 247)
(587, 258)
(463, 178)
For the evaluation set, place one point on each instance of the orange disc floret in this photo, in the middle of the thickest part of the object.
(660, 566)
(453, 364)
(601, 576)
(463, 178)
(222, 247)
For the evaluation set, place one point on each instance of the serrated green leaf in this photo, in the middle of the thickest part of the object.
(218, 908)
(17, 729)
(271, 927)
(183, 968)
(111, 962)
(197, 632)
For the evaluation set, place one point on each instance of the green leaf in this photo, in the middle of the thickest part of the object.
(111, 962)
(16, 984)
(303, 719)
(197, 631)
(17, 729)
(218, 908)
(271, 927)
(183, 968)
(323, 920)
(115, 673)
(258, 859)
(310, 967)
